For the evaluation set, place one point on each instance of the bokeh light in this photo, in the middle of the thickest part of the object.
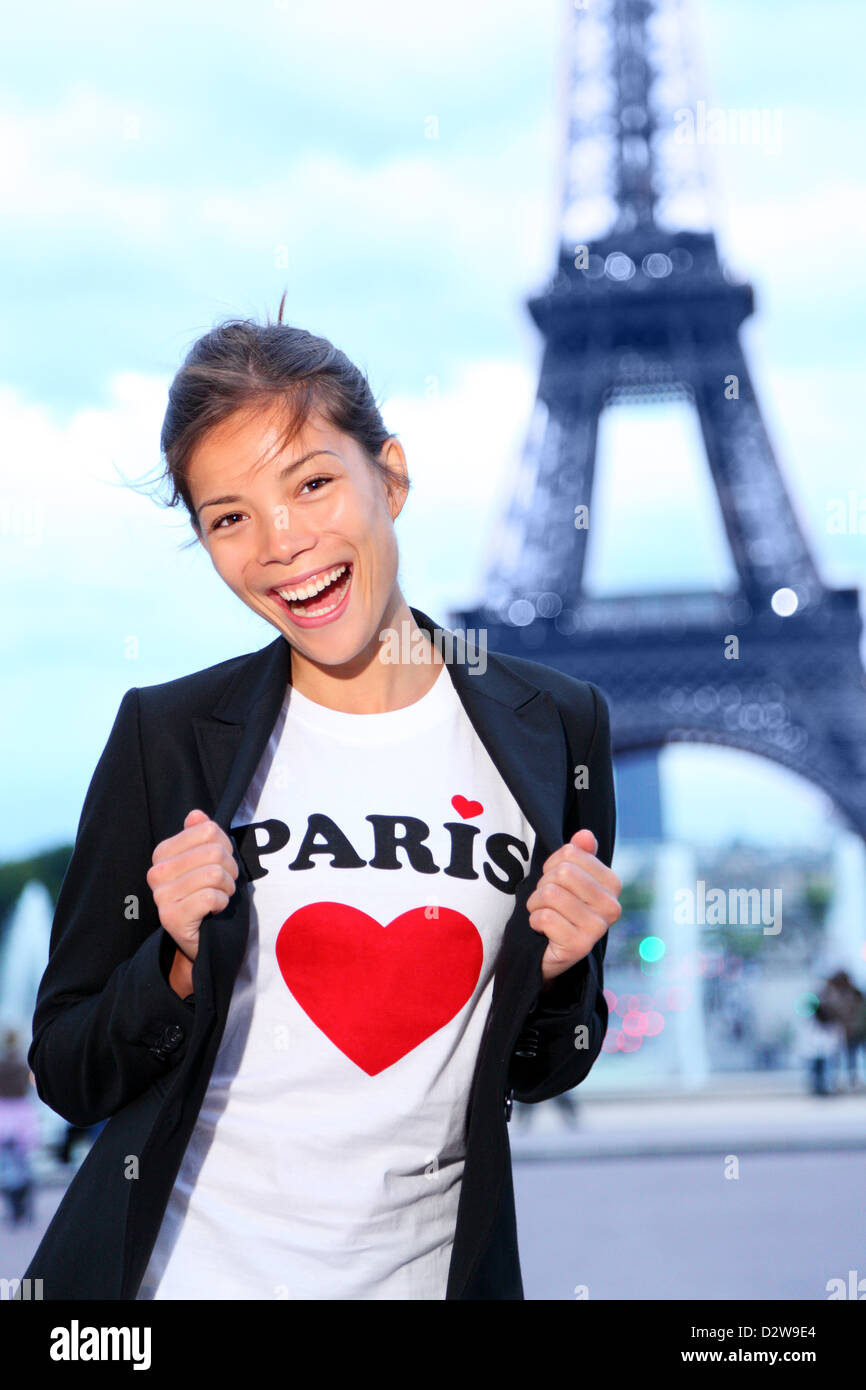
(651, 948)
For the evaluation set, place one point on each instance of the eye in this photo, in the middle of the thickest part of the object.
(317, 479)
(218, 524)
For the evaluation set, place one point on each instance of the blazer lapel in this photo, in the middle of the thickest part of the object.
(518, 723)
(232, 740)
(520, 726)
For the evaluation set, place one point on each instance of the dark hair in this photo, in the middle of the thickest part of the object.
(241, 365)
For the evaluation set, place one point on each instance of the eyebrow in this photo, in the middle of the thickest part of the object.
(283, 473)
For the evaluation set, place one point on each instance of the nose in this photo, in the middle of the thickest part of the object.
(280, 538)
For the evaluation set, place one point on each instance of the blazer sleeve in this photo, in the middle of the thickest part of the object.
(107, 1023)
(563, 1033)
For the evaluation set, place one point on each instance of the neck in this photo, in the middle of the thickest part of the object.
(368, 684)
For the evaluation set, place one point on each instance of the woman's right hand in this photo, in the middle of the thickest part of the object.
(193, 873)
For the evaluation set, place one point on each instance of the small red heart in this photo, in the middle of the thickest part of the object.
(377, 992)
(466, 808)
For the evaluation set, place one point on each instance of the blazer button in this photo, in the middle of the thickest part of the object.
(172, 1036)
(527, 1043)
(509, 1102)
(169, 1039)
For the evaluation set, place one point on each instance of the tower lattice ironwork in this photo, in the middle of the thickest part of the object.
(640, 307)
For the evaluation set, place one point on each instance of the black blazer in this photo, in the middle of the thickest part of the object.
(112, 1039)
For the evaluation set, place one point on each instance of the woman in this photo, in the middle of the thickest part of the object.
(329, 907)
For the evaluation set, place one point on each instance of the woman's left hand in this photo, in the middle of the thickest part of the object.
(573, 904)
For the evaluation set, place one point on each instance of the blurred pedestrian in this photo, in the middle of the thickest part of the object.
(845, 1005)
(18, 1129)
(818, 1045)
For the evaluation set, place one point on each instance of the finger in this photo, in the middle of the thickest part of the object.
(187, 915)
(593, 914)
(175, 891)
(568, 937)
(573, 854)
(589, 842)
(202, 832)
(163, 870)
(582, 880)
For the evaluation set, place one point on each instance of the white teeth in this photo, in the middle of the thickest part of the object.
(312, 586)
(316, 612)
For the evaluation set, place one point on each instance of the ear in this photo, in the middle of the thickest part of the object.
(396, 493)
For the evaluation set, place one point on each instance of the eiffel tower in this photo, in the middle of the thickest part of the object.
(642, 309)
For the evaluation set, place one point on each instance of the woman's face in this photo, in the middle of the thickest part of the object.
(288, 523)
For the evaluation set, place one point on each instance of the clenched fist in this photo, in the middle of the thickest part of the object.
(193, 873)
(573, 904)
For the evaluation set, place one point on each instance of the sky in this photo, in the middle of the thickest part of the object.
(168, 166)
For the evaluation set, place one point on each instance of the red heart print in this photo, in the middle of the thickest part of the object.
(377, 992)
(466, 808)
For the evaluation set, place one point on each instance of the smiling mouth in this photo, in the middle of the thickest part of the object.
(324, 599)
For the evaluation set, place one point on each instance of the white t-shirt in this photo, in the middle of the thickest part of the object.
(327, 1157)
